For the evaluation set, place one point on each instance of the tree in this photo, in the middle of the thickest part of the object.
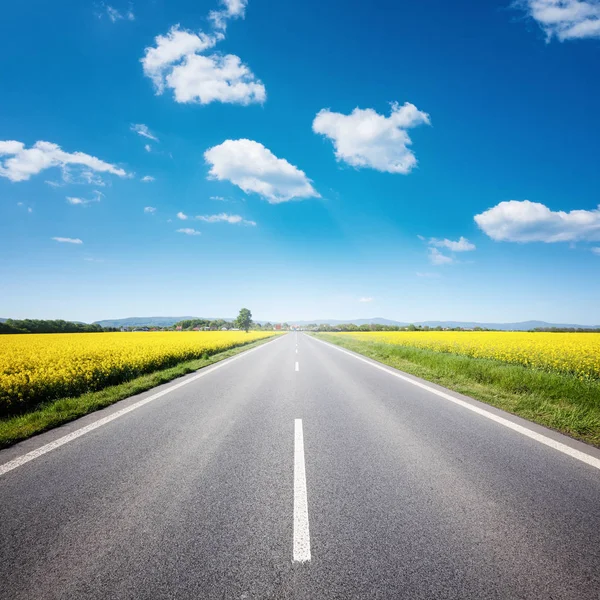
(244, 320)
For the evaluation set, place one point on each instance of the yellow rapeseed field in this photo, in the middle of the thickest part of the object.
(34, 368)
(573, 353)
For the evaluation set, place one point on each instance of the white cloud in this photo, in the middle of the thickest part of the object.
(144, 131)
(218, 198)
(254, 168)
(596, 251)
(64, 240)
(525, 221)
(367, 299)
(437, 258)
(84, 201)
(177, 63)
(147, 179)
(206, 79)
(462, 245)
(149, 209)
(365, 138)
(232, 9)
(29, 209)
(225, 218)
(170, 49)
(189, 231)
(114, 15)
(25, 162)
(182, 216)
(565, 19)
(148, 148)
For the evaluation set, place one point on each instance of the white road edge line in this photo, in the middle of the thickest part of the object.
(301, 532)
(297, 366)
(534, 435)
(25, 458)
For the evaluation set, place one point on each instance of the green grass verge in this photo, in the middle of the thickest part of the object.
(50, 415)
(558, 401)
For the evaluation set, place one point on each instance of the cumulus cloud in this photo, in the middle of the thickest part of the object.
(206, 79)
(462, 245)
(525, 221)
(144, 131)
(170, 49)
(225, 218)
(182, 216)
(85, 201)
(189, 231)
(366, 299)
(437, 258)
(147, 179)
(365, 138)
(25, 162)
(565, 19)
(254, 168)
(65, 240)
(178, 62)
(149, 209)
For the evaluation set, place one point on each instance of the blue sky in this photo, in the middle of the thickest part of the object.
(414, 160)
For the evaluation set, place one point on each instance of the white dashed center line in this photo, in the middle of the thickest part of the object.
(301, 532)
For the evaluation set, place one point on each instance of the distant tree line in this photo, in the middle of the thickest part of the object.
(51, 326)
(566, 330)
(377, 327)
(244, 321)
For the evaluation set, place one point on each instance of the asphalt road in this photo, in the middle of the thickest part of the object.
(298, 471)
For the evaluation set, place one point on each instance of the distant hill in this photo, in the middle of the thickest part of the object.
(153, 321)
(521, 326)
(374, 321)
(141, 321)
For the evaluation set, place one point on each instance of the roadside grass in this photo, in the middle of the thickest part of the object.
(561, 402)
(52, 414)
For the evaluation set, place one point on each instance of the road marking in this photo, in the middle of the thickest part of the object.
(297, 367)
(25, 458)
(301, 531)
(534, 435)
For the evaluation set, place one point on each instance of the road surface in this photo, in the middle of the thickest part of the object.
(297, 470)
